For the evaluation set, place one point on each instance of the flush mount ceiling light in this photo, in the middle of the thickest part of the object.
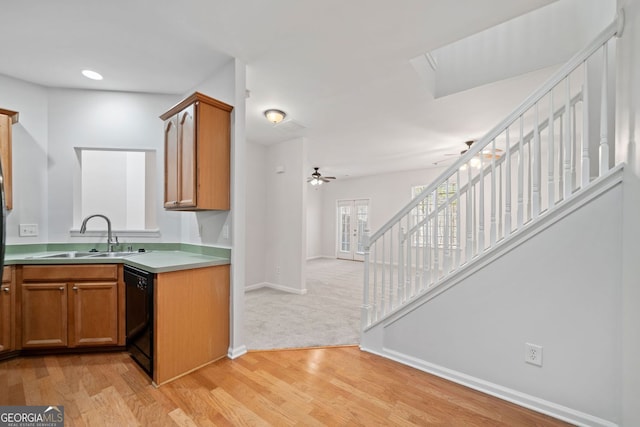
(91, 75)
(275, 116)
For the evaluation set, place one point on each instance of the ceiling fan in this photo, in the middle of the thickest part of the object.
(487, 154)
(316, 178)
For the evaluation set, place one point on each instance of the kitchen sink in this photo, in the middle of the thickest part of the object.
(112, 254)
(72, 254)
(78, 254)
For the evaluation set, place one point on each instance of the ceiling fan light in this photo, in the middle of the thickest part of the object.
(275, 116)
(474, 162)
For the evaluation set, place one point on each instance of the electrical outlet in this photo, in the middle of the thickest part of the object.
(278, 270)
(28, 230)
(225, 231)
(533, 354)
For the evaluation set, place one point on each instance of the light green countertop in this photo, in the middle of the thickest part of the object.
(154, 261)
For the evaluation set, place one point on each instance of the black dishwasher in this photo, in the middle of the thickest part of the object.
(139, 300)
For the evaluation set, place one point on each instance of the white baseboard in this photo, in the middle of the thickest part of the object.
(275, 286)
(522, 399)
(234, 353)
(322, 257)
(255, 286)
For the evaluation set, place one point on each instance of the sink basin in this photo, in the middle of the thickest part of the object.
(112, 254)
(72, 254)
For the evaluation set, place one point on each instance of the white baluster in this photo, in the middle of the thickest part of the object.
(492, 214)
(387, 295)
(457, 245)
(574, 148)
(551, 182)
(585, 128)
(383, 294)
(376, 303)
(561, 157)
(445, 235)
(500, 214)
(408, 276)
(400, 287)
(365, 313)
(427, 246)
(535, 165)
(520, 218)
(481, 207)
(604, 117)
(507, 201)
(436, 265)
(425, 252)
(469, 217)
(529, 165)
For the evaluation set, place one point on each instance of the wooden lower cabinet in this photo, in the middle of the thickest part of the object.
(7, 311)
(191, 320)
(71, 306)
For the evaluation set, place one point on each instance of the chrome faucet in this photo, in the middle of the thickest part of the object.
(83, 228)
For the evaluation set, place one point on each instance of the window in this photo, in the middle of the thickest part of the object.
(120, 184)
(421, 237)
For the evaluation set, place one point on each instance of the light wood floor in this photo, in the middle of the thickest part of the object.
(336, 386)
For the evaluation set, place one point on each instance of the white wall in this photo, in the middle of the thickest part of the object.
(627, 125)
(101, 119)
(561, 289)
(314, 222)
(214, 227)
(256, 225)
(504, 51)
(286, 216)
(388, 193)
(30, 144)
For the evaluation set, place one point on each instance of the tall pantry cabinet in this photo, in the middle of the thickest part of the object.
(197, 134)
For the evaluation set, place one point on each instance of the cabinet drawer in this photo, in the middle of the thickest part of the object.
(72, 272)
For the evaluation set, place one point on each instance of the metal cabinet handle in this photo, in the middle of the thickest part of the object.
(61, 288)
(6, 290)
(75, 288)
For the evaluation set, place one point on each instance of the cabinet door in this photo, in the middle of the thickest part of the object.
(5, 158)
(6, 314)
(93, 315)
(171, 163)
(187, 168)
(44, 315)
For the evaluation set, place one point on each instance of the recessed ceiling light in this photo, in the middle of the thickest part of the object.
(91, 75)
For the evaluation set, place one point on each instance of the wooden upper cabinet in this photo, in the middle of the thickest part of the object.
(7, 118)
(197, 134)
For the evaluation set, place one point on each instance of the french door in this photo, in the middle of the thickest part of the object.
(353, 217)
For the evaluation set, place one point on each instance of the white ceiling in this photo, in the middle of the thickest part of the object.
(339, 68)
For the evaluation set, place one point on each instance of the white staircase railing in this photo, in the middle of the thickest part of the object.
(526, 166)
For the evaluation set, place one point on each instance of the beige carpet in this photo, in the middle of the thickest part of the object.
(328, 314)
